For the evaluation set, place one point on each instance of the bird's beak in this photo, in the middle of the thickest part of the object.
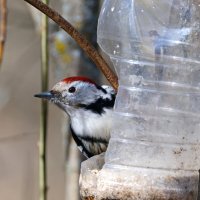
(45, 95)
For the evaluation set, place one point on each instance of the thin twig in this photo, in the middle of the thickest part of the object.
(44, 109)
(3, 26)
(81, 40)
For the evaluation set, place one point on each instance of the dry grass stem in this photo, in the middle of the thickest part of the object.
(3, 26)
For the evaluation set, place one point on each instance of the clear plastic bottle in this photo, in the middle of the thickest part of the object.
(155, 48)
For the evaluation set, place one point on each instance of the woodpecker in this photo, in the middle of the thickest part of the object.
(89, 107)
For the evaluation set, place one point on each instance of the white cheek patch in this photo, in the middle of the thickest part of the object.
(64, 94)
(110, 91)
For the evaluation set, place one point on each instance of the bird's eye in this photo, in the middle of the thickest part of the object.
(72, 90)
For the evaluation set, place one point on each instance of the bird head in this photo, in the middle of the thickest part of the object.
(74, 93)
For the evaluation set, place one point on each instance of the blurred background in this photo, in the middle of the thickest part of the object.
(19, 110)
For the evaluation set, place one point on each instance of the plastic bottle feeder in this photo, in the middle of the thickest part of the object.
(154, 151)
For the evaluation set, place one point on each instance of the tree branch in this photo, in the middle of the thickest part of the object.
(81, 40)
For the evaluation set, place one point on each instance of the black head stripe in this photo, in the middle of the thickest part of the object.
(99, 105)
(102, 89)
